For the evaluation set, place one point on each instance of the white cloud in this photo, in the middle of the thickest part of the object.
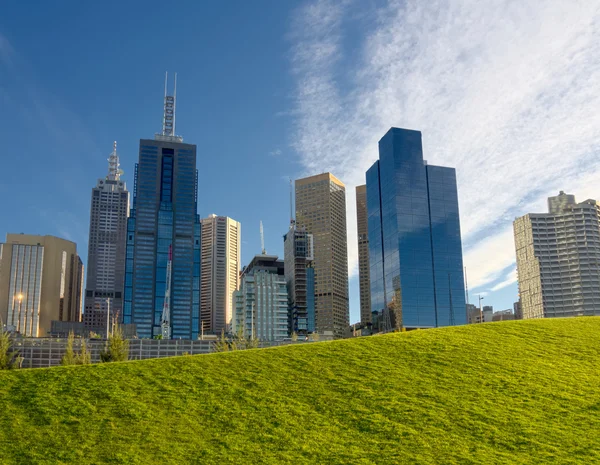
(275, 153)
(510, 278)
(505, 91)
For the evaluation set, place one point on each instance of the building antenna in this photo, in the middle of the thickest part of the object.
(114, 173)
(174, 103)
(466, 286)
(291, 203)
(262, 239)
(169, 112)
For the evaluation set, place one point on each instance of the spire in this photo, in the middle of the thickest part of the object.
(170, 103)
(114, 173)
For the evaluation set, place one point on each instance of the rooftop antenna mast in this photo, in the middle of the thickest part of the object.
(262, 239)
(292, 221)
(114, 173)
(170, 102)
(466, 285)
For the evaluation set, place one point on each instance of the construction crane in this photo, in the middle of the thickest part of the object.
(166, 315)
(262, 239)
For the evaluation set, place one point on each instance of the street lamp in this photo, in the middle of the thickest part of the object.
(480, 310)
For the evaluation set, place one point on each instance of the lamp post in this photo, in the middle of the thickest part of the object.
(480, 310)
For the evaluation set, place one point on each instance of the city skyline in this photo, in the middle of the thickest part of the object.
(298, 114)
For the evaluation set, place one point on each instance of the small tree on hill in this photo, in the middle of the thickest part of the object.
(84, 357)
(221, 344)
(117, 347)
(69, 357)
(294, 336)
(9, 358)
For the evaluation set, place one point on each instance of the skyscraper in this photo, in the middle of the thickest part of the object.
(163, 218)
(106, 248)
(41, 280)
(221, 256)
(261, 303)
(415, 250)
(321, 209)
(300, 279)
(558, 259)
(363, 254)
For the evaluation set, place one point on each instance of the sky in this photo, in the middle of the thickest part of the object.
(507, 92)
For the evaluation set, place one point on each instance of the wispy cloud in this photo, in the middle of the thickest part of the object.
(275, 153)
(505, 91)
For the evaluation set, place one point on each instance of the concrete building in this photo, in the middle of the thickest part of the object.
(261, 303)
(503, 315)
(163, 223)
(558, 259)
(364, 279)
(321, 209)
(41, 280)
(220, 271)
(300, 278)
(517, 310)
(106, 248)
(415, 249)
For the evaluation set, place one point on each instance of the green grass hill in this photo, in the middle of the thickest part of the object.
(507, 392)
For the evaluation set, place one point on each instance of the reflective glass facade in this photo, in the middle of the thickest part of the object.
(164, 215)
(415, 250)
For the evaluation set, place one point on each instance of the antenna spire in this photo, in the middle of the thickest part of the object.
(168, 126)
(262, 239)
(114, 173)
(292, 222)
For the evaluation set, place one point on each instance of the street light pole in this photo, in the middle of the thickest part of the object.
(480, 310)
(20, 299)
(107, 317)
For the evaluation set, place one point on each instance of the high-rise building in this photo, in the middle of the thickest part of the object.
(363, 254)
(41, 280)
(300, 278)
(517, 310)
(106, 248)
(415, 250)
(261, 303)
(558, 259)
(163, 223)
(321, 209)
(220, 257)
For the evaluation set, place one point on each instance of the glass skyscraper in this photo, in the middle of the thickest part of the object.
(415, 250)
(163, 216)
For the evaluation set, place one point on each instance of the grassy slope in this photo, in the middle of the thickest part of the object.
(509, 392)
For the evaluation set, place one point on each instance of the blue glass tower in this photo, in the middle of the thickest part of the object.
(415, 250)
(163, 216)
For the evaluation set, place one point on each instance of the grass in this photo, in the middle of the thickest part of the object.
(506, 392)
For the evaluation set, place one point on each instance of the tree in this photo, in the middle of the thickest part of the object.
(84, 357)
(294, 336)
(314, 337)
(117, 347)
(69, 357)
(221, 344)
(9, 358)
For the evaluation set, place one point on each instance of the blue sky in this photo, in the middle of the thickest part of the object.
(506, 92)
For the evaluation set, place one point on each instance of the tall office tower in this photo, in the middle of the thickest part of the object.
(517, 310)
(558, 259)
(106, 248)
(41, 280)
(363, 254)
(220, 257)
(261, 303)
(321, 209)
(415, 250)
(163, 228)
(300, 279)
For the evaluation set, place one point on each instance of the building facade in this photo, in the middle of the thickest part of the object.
(364, 279)
(220, 257)
(558, 259)
(300, 279)
(261, 303)
(41, 280)
(106, 249)
(163, 219)
(415, 250)
(321, 209)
